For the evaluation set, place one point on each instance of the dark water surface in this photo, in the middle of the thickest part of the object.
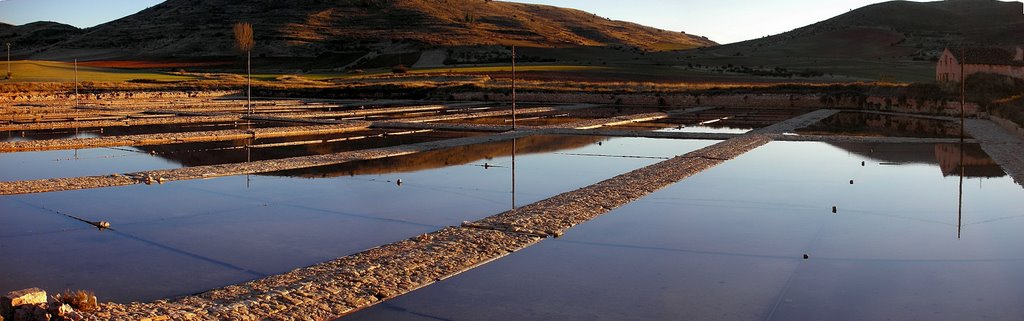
(190, 236)
(109, 160)
(728, 244)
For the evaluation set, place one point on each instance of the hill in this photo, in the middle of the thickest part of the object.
(312, 28)
(896, 39)
(36, 35)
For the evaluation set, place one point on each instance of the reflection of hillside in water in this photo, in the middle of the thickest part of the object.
(868, 124)
(947, 156)
(448, 157)
(200, 154)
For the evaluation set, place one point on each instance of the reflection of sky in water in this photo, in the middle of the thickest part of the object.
(81, 162)
(109, 160)
(704, 129)
(727, 244)
(189, 236)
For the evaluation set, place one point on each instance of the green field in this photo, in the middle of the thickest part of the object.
(53, 71)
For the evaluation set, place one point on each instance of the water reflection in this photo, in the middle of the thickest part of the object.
(449, 156)
(171, 239)
(871, 124)
(727, 244)
(950, 158)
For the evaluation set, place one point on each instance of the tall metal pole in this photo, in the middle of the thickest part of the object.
(963, 91)
(963, 103)
(76, 83)
(8, 59)
(248, 73)
(513, 87)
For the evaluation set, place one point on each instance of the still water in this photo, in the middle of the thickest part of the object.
(109, 160)
(190, 236)
(728, 244)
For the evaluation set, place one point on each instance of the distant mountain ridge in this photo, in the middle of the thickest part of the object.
(898, 28)
(36, 35)
(309, 28)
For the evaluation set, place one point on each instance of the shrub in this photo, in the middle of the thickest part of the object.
(80, 300)
(400, 69)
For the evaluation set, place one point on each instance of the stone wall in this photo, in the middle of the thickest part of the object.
(37, 97)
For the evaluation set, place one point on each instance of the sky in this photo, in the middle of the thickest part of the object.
(724, 21)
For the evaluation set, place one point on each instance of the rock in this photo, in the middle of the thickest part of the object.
(18, 298)
(59, 309)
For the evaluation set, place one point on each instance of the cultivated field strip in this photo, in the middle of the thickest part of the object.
(339, 287)
(181, 138)
(1005, 148)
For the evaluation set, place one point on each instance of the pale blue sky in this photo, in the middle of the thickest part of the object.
(724, 21)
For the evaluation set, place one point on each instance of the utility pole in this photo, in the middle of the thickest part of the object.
(513, 87)
(248, 74)
(76, 83)
(963, 91)
(8, 60)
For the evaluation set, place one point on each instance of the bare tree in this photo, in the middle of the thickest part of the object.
(245, 42)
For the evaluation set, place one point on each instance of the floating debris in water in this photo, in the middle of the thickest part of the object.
(399, 182)
(851, 182)
(806, 256)
(862, 163)
(835, 209)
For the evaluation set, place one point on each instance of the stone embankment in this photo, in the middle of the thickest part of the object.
(181, 138)
(338, 287)
(129, 121)
(69, 97)
(763, 100)
(1006, 148)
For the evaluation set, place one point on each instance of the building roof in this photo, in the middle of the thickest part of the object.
(985, 56)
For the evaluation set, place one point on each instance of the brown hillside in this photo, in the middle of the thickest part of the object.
(895, 29)
(35, 36)
(308, 28)
(889, 41)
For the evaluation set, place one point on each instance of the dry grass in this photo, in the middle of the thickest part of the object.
(80, 300)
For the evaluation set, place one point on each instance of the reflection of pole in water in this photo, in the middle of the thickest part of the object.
(513, 174)
(248, 158)
(960, 202)
(963, 102)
